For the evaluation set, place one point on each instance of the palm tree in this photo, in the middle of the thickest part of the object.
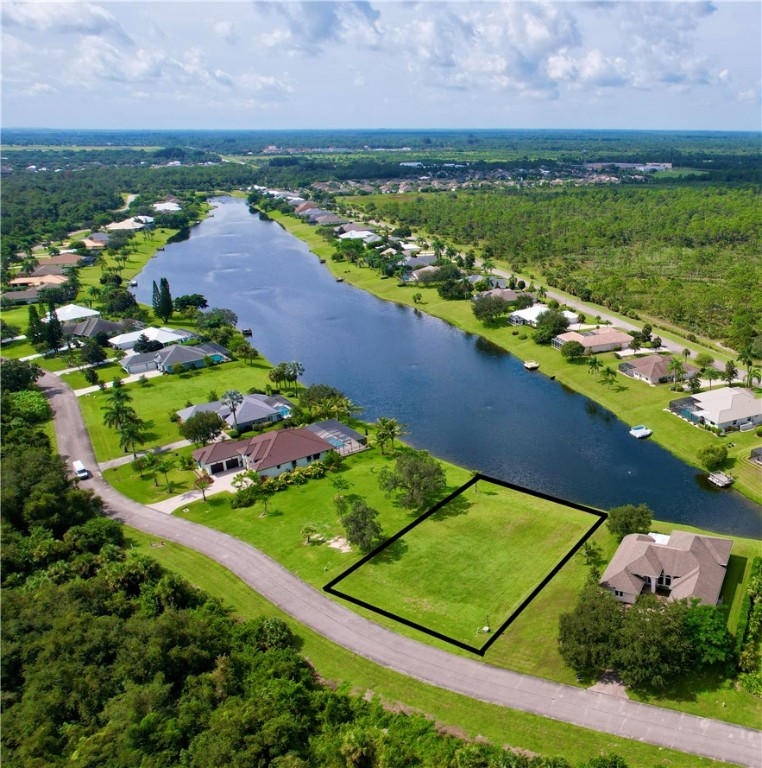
(232, 398)
(116, 414)
(165, 466)
(677, 368)
(730, 372)
(387, 429)
(711, 374)
(131, 434)
(608, 376)
(686, 353)
(202, 482)
(752, 374)
(593, 365)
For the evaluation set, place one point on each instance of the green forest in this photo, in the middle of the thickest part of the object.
(686, 254)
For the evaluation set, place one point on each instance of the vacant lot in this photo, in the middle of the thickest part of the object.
(472, 563)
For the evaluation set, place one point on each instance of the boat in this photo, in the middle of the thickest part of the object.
(720, 479)
(245, 331)
(531, 365)
(339, 279)
(640, 431)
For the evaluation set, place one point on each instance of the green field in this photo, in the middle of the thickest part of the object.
(472, 563)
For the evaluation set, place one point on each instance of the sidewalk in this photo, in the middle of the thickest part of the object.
(125, 380)
(122, 460)
(222, 482)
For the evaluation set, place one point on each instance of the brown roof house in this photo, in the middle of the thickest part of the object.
(654, 369)
(269, 454)
(679, 566)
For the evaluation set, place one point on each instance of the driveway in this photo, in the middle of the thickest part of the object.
(308, 606)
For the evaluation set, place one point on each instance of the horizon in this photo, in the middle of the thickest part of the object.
(270, 66)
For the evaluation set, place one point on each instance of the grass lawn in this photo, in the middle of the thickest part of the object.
(469, 717)
(472, 563)
(632, 401)
(150, 487)
(529, 645)
(156, 398)
(106, 372)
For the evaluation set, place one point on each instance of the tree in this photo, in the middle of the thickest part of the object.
(694, 383)
(387, 430)
(636, 342)
(572, 350)
(712, 374)
(489, 309)
(53, 330)
(92, 353)
(91, 376)
(676, 367)
(587, 635)
(293, 370)
(361, 525)
(550, 324)
(18, 374)
(144, 344)
(190, 301)
(629, 518)
(155, 298)
(654, 648)
(36, 328)
(165, 465)
(730, 373)
(712, 456)
(753, 374)
(202, 482)
(164, 307)
(593, 365)
(686, 352)
(202, 428)
(607, 376)
(232, 399)
(704, 360)
(707, 627)
(132, 433)
(418, 476)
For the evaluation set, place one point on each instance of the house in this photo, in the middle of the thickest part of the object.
(357, 234)
(164, 336)
(531, 315)
(416, 262)
(344, 439)
(305, 206)
(40, 281)
(99, 237)
(756, 456)
(654, 369)
(166, 207)
(606, 339)
(680, 566)
(70, 312)
(64, 260)
(133, 224)
(269, 454)
(354, 227)
(506, 294)
(725, 408)
(89, 242)
(48, 269)
(29, 296)
(417, 274)
(92, 327)
(176, 359)
(254, 410)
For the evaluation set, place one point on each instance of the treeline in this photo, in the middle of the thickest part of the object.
(689, 255)
(47, 205)
(109, 659)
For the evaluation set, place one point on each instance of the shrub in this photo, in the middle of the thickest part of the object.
(713, 456)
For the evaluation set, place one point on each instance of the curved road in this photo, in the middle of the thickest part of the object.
(588, 709)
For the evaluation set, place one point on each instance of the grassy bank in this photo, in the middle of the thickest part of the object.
(459, 714)
(632, 401)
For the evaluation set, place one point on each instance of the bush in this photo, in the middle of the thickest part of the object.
(30, 405)
(712, 457)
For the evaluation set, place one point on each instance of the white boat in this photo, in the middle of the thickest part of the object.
(640, 431)
(531, 365)
(720, 479)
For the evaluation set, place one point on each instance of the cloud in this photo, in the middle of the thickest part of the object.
(75, 18)
(311, 26)
(226, 31)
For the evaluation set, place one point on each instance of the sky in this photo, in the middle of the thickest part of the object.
(388, 64)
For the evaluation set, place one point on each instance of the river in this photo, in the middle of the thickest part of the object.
(462, 398)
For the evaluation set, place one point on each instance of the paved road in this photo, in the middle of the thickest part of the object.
(589, 709)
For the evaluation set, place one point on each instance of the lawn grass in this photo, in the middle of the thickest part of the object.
(472, 563)
(106, 372)
(155, 399)
(466, 716)
(530, 643)
(632, 401)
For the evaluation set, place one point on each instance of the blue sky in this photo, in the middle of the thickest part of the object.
(389, 64)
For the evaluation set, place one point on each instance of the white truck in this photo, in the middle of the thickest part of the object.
(79, 470)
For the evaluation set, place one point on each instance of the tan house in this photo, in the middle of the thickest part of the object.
(39, 281)
(679, 566)
(606, 339)
(654, 369)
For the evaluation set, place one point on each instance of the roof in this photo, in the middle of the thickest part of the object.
(73, 312)
(531, 314)
(166, 207)
(38, 281)
(728, 404)
(655, 367)
(162, 335)
(136, 222)
(335, 427)
(48, 269)
(92, 326)
(596, 336)
(271, 449)
(252, 408)
(63, 259)
(507, 294)
(696, 564)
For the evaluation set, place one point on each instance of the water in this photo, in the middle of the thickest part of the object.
(463, 399)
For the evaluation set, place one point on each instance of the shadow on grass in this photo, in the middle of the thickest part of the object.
(390, 554)
(458, 506)
(733, 579)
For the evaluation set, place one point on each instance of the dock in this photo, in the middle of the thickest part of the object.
(720, 479)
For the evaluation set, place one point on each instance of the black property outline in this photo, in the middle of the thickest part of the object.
(330, 587)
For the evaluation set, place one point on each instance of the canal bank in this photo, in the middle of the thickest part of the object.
(464, 399)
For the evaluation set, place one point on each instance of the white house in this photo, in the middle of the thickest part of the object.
(724, 408)
(530, 315)
(71, 312)
(164, 336)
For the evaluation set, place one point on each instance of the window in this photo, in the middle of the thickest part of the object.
(618, 593)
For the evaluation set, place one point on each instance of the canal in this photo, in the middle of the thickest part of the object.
(462, 399)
